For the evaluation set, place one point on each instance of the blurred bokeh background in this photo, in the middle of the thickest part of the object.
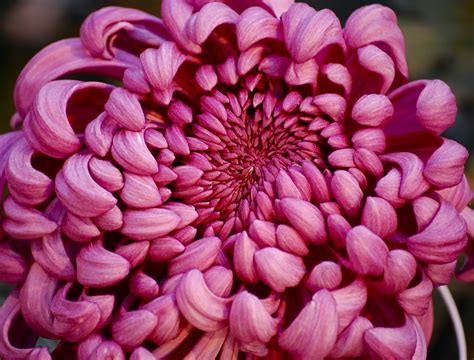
(440, 44)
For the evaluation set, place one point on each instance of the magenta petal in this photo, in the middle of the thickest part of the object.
(108, 349)
(372, 110)
(445, 167)
(199, 305)
(256, 24)
(416, 300)
(379, 216)
(397, 343)
(129, 330)
(199, 255)
(312, 334)
(347, 192)
(99, 267)
(244, 251)
(14, 268)
(349, 302)
(249, 320)
(350, 343)
(315, 29)
(149, 224)
(459, 195)
(124, 108)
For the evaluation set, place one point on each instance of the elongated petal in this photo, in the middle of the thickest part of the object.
(199, 255)
(349, 302)
(350, 343)
(347, 192)
(199, 305)
(312, 334)
(99, 267)
(124, 108)
(254, 25)
(379, 216)
(131, 329)
(149, 224)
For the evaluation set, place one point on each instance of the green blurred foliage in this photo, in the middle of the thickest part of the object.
(440, 44)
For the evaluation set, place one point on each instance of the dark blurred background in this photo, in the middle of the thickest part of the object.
(440, 44)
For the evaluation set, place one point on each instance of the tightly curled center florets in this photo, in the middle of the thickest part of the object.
(262, 181)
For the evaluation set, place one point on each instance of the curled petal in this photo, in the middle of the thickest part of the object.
(312, 334)
(130, 151)
(168, 315)
(367, 252)
(99, 267)
(350, 343)
(349, 302)
(305, 218)
(25, 222)
(209, 17)
(219, 280)
(443, 239)
(445, 167)
(27, 185)
(125, 109)
(209, 345)
(199, 305)
(108, 350)
(416, 300)
(58, 59)
(161, 65)
(395, 343)
(347, 192)
(149, 224)
(459, 195)
(99, 134)
(420, 105)
(379, 216)
(256, 24)
(165, 248)
(263, 232)
(315, 29)
(78, 191)
(199, 255)
(372, 110)
(14, 266)
(140, 191)
(317, 181)
(141, 353)
(377, 24)
(129, 330)
(290, 240)
(73, 320)
(249, 320)
(106, 174)
(279, 269)
(244, 251)
(325, 275)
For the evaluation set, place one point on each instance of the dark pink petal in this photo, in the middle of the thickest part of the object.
(325, 275)
(101, 28)
(140, 191)
(168, 315)
(99, 267)
(149, 224)
(108, 350)
(58, 59)
(459, 195)
(333, 105)
(129, 330)
(400, 269)
(106, 174)
(289, 240)
(315, 29)
(143, 286)
(279, 269)
(161, 65)
(349, 302)
(202, 308)
(175, 15)
(201, 24)
(105, 304)
(206, 77)
(376, 24)
(27, 185)
(219, 280)
(249, 320)
(78, 191)
(420, 105)
(73, 320)
(416, 300)
(141, 353)
(209, 345)
(305, 218)
(200, 255)
(338, 227)
(243, 258)
(350, 343)
(35, 299)
(372, 110)
(370, 139)
(445, 167)
(317, 181)
(130, 151)
(395, 343)
(177, 140)
(338, 75)
(87, 346)
(99, 134)
(165, 248)
(312, 334)
(443, 239)
(367, 252)
(263, 233)
(124, 108)
(347, 192)
(388, 188)
(412, 183)
(379, 216)
(256, 24)
(25, 222)
(14, 266)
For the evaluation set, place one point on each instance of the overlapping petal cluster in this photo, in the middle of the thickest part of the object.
(243, 177)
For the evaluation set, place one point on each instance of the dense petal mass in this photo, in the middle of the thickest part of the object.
(258, 181)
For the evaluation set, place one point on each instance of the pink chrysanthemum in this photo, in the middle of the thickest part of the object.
(257, 180)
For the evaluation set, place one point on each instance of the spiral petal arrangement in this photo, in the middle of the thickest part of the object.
(257, 179)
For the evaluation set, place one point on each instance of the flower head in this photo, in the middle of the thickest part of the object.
(257, 180)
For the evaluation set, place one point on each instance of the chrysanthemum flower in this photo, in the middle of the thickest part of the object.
(256, 179)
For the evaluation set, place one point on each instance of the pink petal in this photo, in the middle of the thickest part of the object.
(305, 218)
(445, 167)
(315, 29)
(312, 334)
(459, 195)
(168, 315)
(203, 309)
(106, 174)
(99, 267)
(290, 241)
(422, 104)
(370, 139)
(140, 191)
(372, 110)
(379, 216)
(200, 255)
(243, 258)
(99, 134)
(325, 275)
(350, 343)
(132, 328)
(347, 192)
(416, 300)
(279, 269)
(349, 302)
(149, 224)
(124, 107)
(256, 24)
